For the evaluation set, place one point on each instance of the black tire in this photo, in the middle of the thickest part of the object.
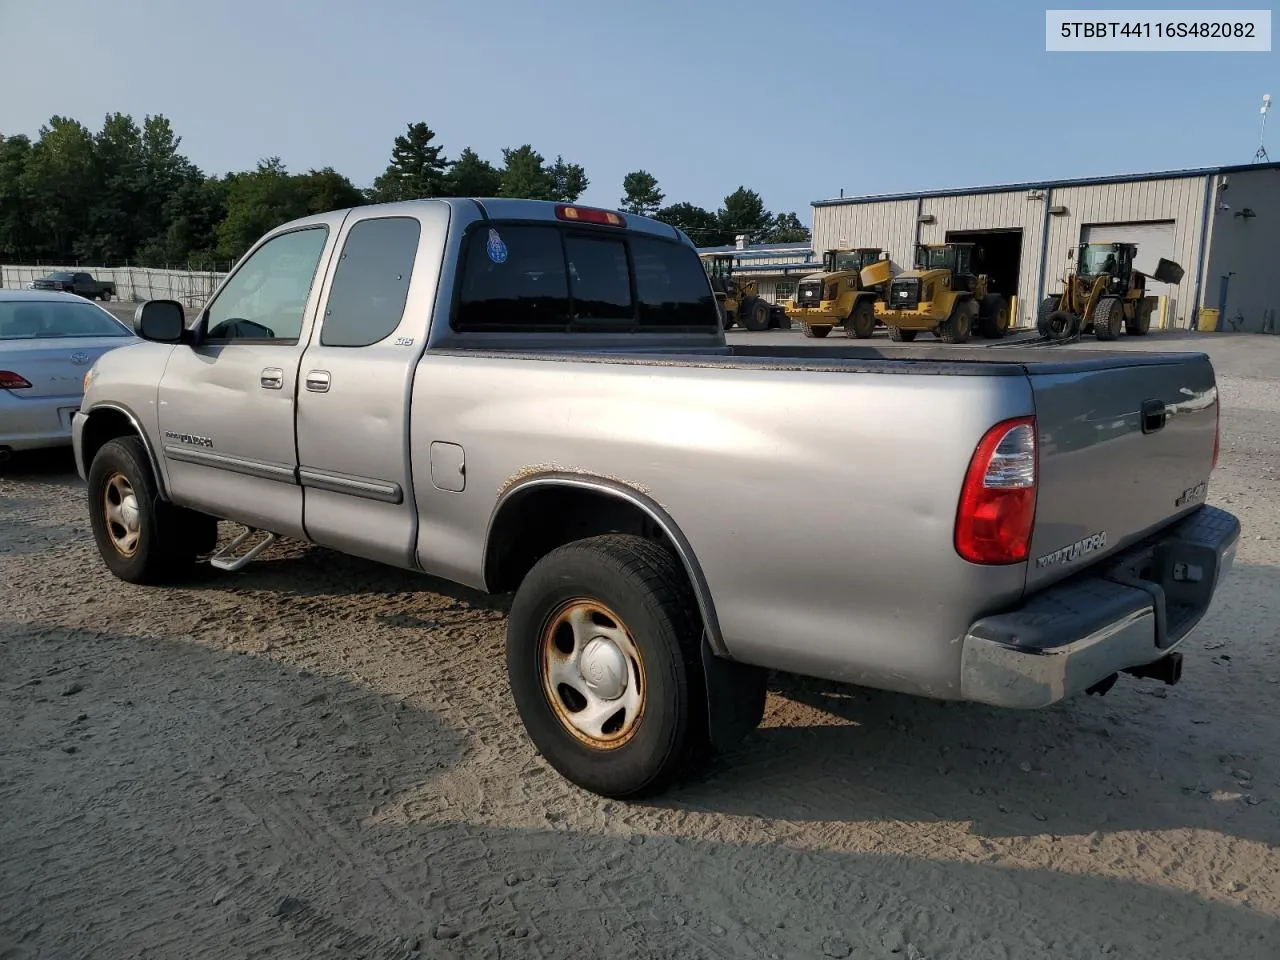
(756, 315)
(957, 327)
(1108, 316)
(1061, 325)
(1140, 325)
(813, 331)
(168, 539)
(1048, 306)
(728, 321)
(898, 335)
(862, 321)
(644, 586)
(106, 296)
(993, 316)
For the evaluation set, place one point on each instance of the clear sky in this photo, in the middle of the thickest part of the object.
(794, 100)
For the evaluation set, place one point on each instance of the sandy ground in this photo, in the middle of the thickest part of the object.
(317, 757)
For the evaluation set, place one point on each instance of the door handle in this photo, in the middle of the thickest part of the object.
(318, 381)
(272, 378)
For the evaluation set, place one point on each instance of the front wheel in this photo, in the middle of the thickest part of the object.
(993, 317)
(1108, 316)
(862, 321)
(141, 538)
(756, 316)
(603, 658)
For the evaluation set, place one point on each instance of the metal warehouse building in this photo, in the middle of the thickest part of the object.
(1221, 224)
(776, 267)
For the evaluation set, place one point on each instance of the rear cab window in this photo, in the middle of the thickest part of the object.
(522, 277)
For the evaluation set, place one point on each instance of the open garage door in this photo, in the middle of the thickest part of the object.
(997, 253)
(1154, 239)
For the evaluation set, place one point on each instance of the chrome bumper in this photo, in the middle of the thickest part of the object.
(1137, 608)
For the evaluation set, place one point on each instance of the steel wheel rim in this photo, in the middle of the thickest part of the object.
(592, 674)
(120, 511)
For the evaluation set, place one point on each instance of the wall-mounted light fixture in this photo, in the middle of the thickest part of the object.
(1058, 211)
(926, 218)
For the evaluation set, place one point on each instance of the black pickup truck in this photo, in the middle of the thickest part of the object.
(81, 283)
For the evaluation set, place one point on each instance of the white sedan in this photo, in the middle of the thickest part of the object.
(48, 341)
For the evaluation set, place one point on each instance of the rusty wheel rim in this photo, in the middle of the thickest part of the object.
(592, 674)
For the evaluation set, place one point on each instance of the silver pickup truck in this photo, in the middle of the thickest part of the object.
(538, 398)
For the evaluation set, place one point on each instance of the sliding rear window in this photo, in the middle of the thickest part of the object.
(535, 278)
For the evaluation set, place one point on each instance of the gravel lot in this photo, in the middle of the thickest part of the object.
(316, 757)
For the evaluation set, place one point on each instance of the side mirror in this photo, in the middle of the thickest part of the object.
(162, 321)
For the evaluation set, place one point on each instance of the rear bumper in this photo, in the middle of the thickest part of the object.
(1134, 609)
(36, 424)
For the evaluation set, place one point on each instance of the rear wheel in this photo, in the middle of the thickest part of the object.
(811, 330)
(1107, 318)
(898, 335)
(603, 657)
(862, 321)
(755, 316)
(993, 317)
(141, 538)
(1141, 322)
(957, 327)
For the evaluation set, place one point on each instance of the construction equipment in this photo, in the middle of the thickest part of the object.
(739, 299)
(843, 294)
(944, 296)
(1103, 292)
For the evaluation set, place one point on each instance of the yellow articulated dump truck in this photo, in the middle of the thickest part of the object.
(943, 296)
(843, 294)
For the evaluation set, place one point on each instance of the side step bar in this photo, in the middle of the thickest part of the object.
(225, 558)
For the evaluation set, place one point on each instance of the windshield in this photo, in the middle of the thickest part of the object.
(37, 319)
(934, 258)
(854, 261)
(1097, 258)
(62, 276)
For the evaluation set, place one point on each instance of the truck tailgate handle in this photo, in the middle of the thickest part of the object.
(1153, 415)
(318, 381)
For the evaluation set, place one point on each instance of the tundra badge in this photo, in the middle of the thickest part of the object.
(1074, 551)
(1192, 494)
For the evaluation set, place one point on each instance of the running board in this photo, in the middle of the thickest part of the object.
(224, 559)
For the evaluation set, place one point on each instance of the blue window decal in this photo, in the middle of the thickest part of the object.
(496, 249)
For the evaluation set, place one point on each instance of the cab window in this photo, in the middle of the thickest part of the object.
(264, 300)
(371, 282)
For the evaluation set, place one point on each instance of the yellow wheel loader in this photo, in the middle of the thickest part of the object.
(739, 299)
(1103, 293)
(943, 296)
(843, 294)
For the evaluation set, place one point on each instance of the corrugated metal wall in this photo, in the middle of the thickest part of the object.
(1245, 248)
(890, 225)
(1180, 200)
(1010, 210)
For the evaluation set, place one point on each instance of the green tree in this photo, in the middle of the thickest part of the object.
(568, 181)
(702, 226)
(417, 167)
(524, 174)
(117, 207)
(471, 176)
(744, 213)
(326, 189)
(258, 201)
(641, 193)
(59, 181)
(17, 237)
(787, 228)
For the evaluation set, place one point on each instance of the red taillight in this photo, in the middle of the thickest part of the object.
(998, 501)
(11, 381)
(590, 215)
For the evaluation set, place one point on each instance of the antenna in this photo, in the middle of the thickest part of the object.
(1262, 133)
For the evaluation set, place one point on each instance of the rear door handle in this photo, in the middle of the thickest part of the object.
(318, 381)
(272, 378)
(1153, 415)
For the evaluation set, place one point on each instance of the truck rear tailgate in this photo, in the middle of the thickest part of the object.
(1126, 444)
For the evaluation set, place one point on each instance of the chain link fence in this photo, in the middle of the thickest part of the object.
(133, 284)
